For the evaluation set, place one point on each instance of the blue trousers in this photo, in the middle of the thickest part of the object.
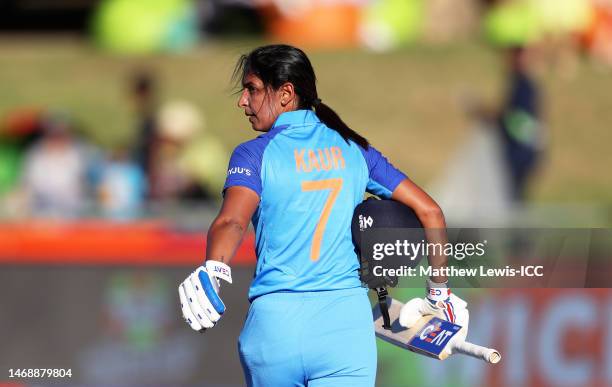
(310, 339)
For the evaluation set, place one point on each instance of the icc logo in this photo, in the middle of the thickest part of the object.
(365, 222)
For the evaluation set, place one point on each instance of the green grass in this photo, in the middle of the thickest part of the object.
(404, 102)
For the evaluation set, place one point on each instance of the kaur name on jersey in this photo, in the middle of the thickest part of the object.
(326, 159)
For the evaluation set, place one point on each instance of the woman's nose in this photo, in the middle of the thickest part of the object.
(242, 100)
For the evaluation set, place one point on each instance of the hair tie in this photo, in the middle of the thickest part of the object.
(317, 101)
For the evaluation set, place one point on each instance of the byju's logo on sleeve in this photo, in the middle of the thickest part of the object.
(239, 170)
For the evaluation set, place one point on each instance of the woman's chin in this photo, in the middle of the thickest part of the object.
(258, 128)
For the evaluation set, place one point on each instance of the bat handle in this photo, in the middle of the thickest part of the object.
(489, 355)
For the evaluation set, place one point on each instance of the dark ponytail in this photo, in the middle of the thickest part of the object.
(279, 63)
(332, 120)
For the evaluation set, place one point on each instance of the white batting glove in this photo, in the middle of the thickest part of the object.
(199, 294)
(439, 302)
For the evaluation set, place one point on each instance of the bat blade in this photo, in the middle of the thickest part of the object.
(397, 335)
(429, 336)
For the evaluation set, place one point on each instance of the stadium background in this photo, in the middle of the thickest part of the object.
(96, 293)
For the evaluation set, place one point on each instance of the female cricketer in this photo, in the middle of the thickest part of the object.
(310, 320)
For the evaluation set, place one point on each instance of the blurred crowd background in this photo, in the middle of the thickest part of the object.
(117, 108)
(117, 119)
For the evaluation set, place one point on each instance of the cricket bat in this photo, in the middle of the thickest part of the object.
(430, 336)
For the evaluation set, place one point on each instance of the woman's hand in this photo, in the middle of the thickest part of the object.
(199, 294)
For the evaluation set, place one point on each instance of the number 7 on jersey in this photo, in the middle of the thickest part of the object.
(335, 185)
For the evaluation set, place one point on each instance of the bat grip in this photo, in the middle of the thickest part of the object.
(489, 355)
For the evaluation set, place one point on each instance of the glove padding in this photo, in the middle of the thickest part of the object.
(199, 294)
(416, 308)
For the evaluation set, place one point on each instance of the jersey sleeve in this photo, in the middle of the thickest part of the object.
(244, 168)
(383, 176)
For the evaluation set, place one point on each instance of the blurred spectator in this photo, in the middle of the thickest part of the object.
(520, 122)
(186, 160)
(167, 180)
(55, 171)
(122, 187)
(177, 158)
(18, 129)
(490, 171)
(142, 92)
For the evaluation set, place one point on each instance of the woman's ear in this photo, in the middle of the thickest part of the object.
(287, 94)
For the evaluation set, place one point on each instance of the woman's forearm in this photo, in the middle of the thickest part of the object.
(435, 231)
(227, 230)
(431, 217)
(224, 238)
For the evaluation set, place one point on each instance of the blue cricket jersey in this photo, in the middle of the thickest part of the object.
(309, 181)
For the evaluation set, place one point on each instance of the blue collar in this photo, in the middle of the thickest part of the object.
(296, 117)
